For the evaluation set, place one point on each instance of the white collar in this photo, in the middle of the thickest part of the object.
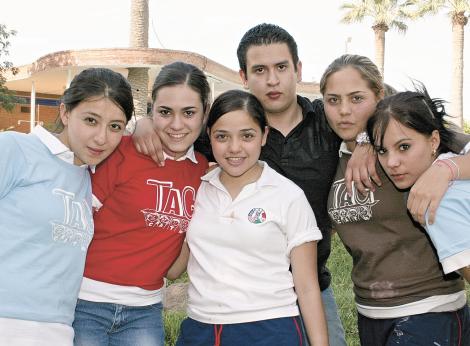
(343, 149)
(190, 154)
(268, 176)
(55, 146)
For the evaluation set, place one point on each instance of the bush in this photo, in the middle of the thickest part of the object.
(466, 127)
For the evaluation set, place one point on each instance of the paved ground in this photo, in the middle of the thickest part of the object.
(176, 297)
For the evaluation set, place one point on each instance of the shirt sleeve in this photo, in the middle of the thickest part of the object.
(301, 225)
(449, 232)
(466, 149)
(106, 176)
(12, 163)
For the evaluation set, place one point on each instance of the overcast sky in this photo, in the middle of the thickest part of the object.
(213, 28)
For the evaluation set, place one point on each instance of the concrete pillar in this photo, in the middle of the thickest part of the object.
(69, 78)
(212, 86)
(32, 118)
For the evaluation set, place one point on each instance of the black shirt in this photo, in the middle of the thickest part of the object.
(308, 156)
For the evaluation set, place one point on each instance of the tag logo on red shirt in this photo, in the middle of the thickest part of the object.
(257, 215)
(173, 208)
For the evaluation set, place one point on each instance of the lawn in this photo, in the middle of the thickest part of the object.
(340, 266)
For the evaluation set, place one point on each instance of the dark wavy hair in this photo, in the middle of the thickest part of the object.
(234, 100)
(180, 72)
(415, 110)
(96, 82)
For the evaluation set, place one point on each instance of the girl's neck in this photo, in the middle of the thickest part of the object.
(173, 155)
(62, 136)
(235, 185)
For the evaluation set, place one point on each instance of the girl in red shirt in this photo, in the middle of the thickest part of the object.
(143, 211)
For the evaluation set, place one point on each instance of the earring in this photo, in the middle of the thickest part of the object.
(434, 151)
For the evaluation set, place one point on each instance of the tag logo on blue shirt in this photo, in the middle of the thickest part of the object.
(76, 228)
(257, 215)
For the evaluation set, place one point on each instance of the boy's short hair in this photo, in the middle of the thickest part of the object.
(265, 34)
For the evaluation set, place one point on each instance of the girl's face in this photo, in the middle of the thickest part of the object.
(236, 140)
(405, 153)
(178, 118)
(349, 103)
(92, 130)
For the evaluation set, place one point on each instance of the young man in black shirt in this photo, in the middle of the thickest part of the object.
(300, 144)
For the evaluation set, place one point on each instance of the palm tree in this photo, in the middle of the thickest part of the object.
(457, 13)
(386, 14)
(138, 76)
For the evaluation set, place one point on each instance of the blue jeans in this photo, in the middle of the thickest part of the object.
(335, 327)
(437, 328)
(336, 335)
(98, 324)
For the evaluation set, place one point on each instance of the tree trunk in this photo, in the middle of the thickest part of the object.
(379, 31)
(458, 22)
(138, 76)
(139, 24)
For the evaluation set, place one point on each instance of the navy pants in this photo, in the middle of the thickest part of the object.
(279, 331)
(441, 328)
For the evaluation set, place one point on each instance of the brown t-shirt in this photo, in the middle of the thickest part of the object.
(394, 262)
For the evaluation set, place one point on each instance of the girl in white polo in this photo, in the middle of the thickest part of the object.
(250, 225)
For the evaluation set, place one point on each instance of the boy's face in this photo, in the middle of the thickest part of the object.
(271, 76)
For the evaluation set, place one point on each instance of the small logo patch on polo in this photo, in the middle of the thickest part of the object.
(257, 215)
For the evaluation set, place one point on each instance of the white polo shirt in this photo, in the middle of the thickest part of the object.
(240, 249)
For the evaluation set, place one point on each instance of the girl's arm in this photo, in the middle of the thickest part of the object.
(304, 271)
(431, 186)
(179, 265)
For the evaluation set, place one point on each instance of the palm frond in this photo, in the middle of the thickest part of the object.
(459, 5)
(356, 12)
(400, 26)
(430, 7)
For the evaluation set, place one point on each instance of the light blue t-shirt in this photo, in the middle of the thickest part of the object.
(46, 225)
(450, 232)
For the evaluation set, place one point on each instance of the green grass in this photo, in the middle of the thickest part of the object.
(172, 326)
(340, 264)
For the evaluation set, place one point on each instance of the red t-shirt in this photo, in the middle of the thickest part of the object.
(146, 210)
